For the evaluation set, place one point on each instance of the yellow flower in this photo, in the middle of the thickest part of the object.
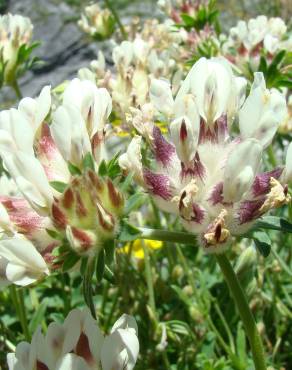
(136, 247)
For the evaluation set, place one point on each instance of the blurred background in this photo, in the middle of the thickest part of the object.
(64, 47)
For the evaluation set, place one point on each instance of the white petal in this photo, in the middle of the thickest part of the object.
(120, 350)
(72, 362)
(131, 161)
(161, 96)
(185, 136)
(25, 264)
(287, 175)
(262, 112)
(240, 169)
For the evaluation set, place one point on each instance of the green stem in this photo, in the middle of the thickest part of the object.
(18, 302)
(16, 88)
(244, 311)
(192, 282)
(149, 280)
(117, 18)
(166, 236)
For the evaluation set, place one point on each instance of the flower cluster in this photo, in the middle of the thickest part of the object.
(15, 31)
(98, 23)
(205, 175)
(247, 41)
(53, 152)
(134, 63)
(79, 344)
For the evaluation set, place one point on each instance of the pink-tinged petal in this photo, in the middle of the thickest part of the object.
(26, 221)
(48, 154)
(261, 183)
(157, 184)
(163, 150)
(249, 210)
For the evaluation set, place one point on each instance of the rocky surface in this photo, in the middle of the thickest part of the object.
(64, 48)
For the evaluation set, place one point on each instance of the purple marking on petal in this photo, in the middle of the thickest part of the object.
(163, 150)
(196, 168)
(217, 194)
(261, 184)
(248, 210)
(217, 132)
(222, 127)
(158, 184)
(198, 214)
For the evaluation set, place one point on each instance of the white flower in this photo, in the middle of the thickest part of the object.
(205, 175)
(78, 344)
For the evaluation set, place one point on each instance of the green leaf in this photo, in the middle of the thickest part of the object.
(262, 242)
(127, 182)
(38, 316)
(100, 266)
(188, 20)
(83, 265)
(74, 170)
(54, 234)
(87, 286)
(102, 170)
(58, 185)
(128, 232)
(88, 162)
(70, 261)
(134, 201)
(274, 223)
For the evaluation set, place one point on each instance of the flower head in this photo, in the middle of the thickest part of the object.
(53, 156)
(204, 174)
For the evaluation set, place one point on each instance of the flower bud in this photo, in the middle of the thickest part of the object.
(88, 211)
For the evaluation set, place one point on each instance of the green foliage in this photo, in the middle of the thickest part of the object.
(207, 14)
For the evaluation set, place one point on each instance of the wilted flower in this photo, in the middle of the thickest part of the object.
(15, 31)
(79, 344)
(62, 201)
(98, 23)
(208, 178)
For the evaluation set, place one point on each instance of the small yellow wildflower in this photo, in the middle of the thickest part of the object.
(136, 247)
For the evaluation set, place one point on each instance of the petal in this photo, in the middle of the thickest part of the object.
(161, 96)
(131, 161)
(25, 264)
(240, 169)
(287, 175)
(262, 112)
(72, 362)
(120, 350)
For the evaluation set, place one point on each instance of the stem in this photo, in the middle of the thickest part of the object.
(18, 302)
(167, 236)
(117, 18)
(16, 88)
(244, 311)
(149, 280)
